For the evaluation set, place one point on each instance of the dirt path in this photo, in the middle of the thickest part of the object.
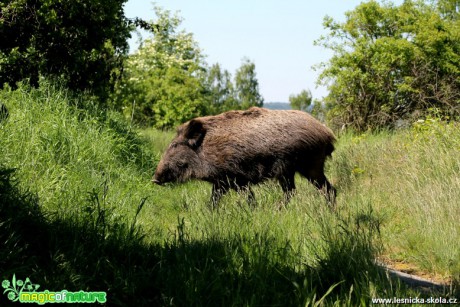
(414, 277)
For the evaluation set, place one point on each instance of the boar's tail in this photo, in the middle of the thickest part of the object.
(329, 149)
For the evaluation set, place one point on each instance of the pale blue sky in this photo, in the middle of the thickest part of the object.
(276, 35)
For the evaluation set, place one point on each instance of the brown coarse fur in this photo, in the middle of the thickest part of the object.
(238, 148)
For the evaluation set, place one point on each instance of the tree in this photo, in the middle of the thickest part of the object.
(449, 8)
(221, 90)
(391, 62)
(163, 82)
(247, 85)
(301, 101)
(167, 81)
(225, 95)
(83, 42)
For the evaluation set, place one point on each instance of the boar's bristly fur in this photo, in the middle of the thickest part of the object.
(238, 148)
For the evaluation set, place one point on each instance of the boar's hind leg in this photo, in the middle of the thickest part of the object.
(319, 180)
(218, 190)
(246, 189)
(288, 185)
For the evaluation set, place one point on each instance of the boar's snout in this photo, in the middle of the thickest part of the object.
(160, 178)
(163, 175)
(156, 181)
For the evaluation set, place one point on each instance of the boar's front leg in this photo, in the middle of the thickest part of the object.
(246, 189)
(288, 185)
(218, 190)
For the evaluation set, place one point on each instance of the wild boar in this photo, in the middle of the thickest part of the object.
(236, 149)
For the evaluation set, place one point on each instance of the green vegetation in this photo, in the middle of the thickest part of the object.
(411, 179)
(247, 86)
(78, 212)
(302, 101)
(392, 62)
(167, 81)
(161, 85)
(82, 42)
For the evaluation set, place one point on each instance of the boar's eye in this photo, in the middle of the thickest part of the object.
(182, 164)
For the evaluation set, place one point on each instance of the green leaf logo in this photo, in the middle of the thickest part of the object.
(14, 288)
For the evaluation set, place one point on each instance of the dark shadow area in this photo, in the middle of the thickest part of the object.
(3, 112)
(73, 254)
(86, 253)
(90, 253)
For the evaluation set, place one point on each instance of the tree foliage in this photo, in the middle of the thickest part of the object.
(247, 86)
(239, 93)
(392, 62)
(301, 101)
(162, 83)
(221, 90)
(82, 42)
(167, 81)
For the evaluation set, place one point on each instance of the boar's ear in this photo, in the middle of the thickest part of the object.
(194, 133)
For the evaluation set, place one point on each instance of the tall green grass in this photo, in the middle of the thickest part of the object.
(59, 149)
(411, 178)
(78, 212)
